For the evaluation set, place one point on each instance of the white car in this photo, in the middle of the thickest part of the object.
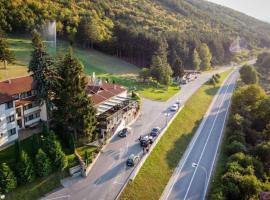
(174, 108)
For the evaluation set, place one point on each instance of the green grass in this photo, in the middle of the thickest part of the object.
(37, 188)
(92, 60)
(149, 91)
(158, 168)
(90, 150)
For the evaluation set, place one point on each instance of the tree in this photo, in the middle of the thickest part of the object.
(235, 147)
(196, 61)
(53, 149)
(178, 69)
(206, 57)
(75, 110)
(263, 152)
(25, 169)
(6, 56)
(145, 74)
(8, 181)
(42, 164)
(249, 186)
(160, 69)
(87, 33)
(41, 67)
(248, 74)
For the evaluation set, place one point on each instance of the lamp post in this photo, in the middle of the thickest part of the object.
(167, 114)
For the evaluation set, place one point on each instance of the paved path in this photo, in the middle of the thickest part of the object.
(109, 173)
(191, 178)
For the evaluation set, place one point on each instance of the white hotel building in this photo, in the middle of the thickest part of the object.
(18, 108)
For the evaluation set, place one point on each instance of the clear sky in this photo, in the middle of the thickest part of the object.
(256, 8)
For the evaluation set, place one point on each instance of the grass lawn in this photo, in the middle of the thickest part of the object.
(92, 60)
(149, 91)
(90, 150)
(158, 168)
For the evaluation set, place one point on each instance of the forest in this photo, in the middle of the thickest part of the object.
(133, 30)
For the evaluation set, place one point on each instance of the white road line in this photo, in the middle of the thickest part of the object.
(211, 169)
(60, 197)
(194, 141)
(202, 153)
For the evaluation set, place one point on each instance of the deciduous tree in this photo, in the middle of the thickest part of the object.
(8, 181)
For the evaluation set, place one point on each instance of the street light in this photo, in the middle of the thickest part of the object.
(167, 114)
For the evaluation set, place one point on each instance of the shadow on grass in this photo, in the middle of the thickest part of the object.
(175, 154)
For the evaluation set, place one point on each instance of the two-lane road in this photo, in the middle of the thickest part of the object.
(191, 178)
(109, 172)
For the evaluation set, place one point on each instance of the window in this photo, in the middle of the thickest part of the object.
(11, 132)
(10, 119)
(9, 105)
(31, 105)
(32, 116)
(29, 93)
(26, 94)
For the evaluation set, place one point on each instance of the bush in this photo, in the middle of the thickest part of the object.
(25, 169)
(42, 164)
(242, 159)
(235, 147)
(236, 137)
(53, 149)
(8, 181)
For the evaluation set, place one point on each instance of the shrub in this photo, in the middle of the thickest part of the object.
(25, 170)
(235, 147)
(8, 181)
(242, 159)
(53, 149)
(42, 164)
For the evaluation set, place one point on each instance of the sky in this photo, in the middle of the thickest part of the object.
(255, 8)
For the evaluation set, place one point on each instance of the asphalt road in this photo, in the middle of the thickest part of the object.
(110, 173)
(191, 178)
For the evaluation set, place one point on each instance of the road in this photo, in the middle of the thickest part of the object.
(192, 176)
(109, 173)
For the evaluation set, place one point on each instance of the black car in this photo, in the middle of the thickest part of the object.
(155, 131)
(132, 160)
(123, 133)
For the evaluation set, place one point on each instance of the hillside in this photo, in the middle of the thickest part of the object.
(133, 29)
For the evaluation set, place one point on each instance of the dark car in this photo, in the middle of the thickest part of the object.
(132, 160)
(146, 140)
(155, 131)
(123, 132)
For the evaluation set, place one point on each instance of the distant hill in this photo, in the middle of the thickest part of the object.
(133, 29)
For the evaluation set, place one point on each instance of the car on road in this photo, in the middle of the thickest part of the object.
(145, 140)
(155, 131)
(174, 108)
(132, 160)
(178, 102)
(123, 133)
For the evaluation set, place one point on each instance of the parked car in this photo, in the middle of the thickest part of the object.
(145, 140)
(123, 133)
(174, 108)
(132, 160)
(155, 131)
(183, 82)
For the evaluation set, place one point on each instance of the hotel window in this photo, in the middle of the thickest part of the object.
(9, 105)
(11, 132)
(10, 119)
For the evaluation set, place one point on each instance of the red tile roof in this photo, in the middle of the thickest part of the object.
(10, 87)
(265, 196)
(103, 92)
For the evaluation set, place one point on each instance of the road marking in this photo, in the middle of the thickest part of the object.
(223, 125)
(202, 153)
(195, 139)
(60, 197)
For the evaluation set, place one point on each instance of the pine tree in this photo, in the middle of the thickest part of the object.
(25, 169)
(160, 69)
(41, 67)
(74, 108)
(42, 164)
(206, 57)
(196, 61)
(8, 181)
(6, 56)
(178, 69)
(53, 149)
